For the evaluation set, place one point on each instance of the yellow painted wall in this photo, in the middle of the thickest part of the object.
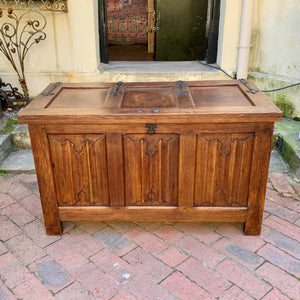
(276, 38)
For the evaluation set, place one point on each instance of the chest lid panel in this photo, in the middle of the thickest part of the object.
(176, 102)
(79, 98)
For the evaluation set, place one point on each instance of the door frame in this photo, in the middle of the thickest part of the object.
(102, 28)
(212, 31)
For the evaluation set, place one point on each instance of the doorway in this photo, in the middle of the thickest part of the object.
(158, 30)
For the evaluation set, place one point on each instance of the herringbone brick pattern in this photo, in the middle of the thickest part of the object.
(144, 260)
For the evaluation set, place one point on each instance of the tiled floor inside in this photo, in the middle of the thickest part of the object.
(144, 260)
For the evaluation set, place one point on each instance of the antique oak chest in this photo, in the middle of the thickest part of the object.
(168, 151)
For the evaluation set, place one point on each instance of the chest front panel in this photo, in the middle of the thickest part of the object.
(151, 167)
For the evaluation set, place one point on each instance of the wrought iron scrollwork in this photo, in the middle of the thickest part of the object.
(52, 5)
(17, 36)
(10, 96)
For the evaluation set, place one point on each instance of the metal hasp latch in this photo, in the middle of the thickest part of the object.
(50, 92)
(118, 86)
(181, 91)
(151, 128)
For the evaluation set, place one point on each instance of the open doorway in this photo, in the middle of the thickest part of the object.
(127, 22)
(157, 30)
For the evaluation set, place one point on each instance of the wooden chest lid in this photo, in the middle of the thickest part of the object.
(164, 102)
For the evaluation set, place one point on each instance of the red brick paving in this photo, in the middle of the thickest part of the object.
(147, 240)
(183, 288)
(199, 232)
(51, 273)
(243, 278)
(234, 234)
(280, 211)
(280, 183)
(33, 289)
(3, 248)
(25, 249)
(66, 255)
(235, 293)
(5, 293)
(143, 288)
(240, 254)
(286, 283)
(285, 227)
(169, 233)
(205, 277)
(18, 214)
(33, 205)
(113, 265)
(275, 294)
(83, 242)
(172, 256)
(207, 255)
(76, 291)
(147, 264)
(281, 259)
(124, 295)
(115, 240)
(36, 231)
(97, 281)
(5, 200)
(12, 271)
(148, 260)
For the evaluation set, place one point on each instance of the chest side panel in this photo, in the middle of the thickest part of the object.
(80, 169)
(223, 166)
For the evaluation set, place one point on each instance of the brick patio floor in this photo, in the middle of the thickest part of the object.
(128, 260)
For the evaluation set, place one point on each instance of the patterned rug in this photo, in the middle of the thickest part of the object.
(127, 21)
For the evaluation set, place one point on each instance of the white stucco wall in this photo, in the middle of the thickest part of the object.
(276, 38)
(71, 47)
(229, 34)
(71, 43)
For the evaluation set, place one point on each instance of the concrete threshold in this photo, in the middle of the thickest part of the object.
(15, 153)
(126, 72)
(157, 67)
(19, 161)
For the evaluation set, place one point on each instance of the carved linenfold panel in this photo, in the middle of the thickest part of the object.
(80, 169)
(223, 165)
(225, 141)
(82, 197)
(78, 147)
(152, 197)
(151, 169)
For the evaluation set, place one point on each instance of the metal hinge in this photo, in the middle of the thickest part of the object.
(181, 92)
(50, 92)
(118, 86)
(246, 84)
